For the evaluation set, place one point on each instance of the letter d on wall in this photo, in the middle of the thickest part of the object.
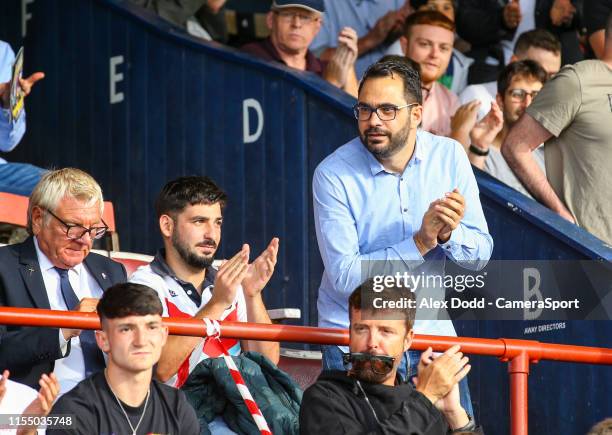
(251, 103)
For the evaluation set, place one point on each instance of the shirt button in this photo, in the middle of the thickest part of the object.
(405, 210)
(402, 179)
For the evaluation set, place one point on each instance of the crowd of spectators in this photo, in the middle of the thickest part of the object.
(520, 90)
(463, 49)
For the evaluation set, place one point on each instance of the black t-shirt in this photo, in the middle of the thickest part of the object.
(596, 14)
(96, 410)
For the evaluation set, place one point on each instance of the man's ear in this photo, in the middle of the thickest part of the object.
(102, 340)
(165, 338)
(38, 216)
(404, 44)
(270, 19)
(416, 116)
(408, 340)
(166, 225)
(500, 101)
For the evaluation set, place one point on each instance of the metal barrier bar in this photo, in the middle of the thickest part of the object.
(519, 354)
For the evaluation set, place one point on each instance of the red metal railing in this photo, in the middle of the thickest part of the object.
(519, 354)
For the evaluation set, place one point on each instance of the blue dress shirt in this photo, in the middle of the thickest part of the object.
(11, 132)
(363, 212)
(362, 16)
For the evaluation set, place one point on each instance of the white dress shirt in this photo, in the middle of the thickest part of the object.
(70, 370)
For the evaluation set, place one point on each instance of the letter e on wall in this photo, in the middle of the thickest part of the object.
(115, 78)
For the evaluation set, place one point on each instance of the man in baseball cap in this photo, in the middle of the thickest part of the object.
(293, 25)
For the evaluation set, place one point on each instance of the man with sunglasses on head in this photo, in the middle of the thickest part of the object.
(370, 397)
(395, 195)
(54, 269)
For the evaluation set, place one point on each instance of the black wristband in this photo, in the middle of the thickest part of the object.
(479, 151)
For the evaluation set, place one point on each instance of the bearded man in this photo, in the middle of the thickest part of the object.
(394, 195)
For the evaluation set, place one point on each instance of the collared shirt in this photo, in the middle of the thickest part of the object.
(177, 302)
(363, 212)
(439, 104)
(362, 16)
(11, 132)
(70, 370)
(267, 51)
(160, 267)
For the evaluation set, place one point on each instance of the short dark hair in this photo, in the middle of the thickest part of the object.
(128, 299)
(537, 38)
(181, 192)
(523, 68)
(404, 68)
(363, 297)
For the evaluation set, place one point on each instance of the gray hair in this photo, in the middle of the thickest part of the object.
(64, 183)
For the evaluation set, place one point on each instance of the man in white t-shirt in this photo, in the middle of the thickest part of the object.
(189, 285)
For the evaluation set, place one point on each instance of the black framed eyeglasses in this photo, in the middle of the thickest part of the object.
(385, 112)
(379, 364)
(521, 94)
(75, 231)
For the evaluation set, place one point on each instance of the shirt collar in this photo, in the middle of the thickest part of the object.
(417, 156)
(312, 62)
(45, 264)
(160, 267)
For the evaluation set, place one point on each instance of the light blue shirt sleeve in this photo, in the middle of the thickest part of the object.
(338, 238)
(470, 244)
(11, 132)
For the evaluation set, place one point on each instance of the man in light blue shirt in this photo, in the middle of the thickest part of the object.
(395, 193)
(19, 178)
(377, 22)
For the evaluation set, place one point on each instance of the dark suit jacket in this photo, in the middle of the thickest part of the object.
(28, 352)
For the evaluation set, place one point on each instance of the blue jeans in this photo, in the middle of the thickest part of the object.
(19, 178)
(332, 360)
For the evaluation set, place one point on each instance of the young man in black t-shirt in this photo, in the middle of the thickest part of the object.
(123, 399)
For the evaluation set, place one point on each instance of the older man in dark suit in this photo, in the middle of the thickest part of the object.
(54, 269)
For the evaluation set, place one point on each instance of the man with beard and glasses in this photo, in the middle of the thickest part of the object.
(395, 195)
(190, 285)
(370, 397)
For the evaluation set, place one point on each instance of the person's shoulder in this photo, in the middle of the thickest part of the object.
(346, 156)
(172, 396)
(10, 255)
(82, 396)
(145, 273)
(329, 380)
(10, 251)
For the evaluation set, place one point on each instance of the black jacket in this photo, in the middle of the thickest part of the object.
(336, 405)
(480, 22)
(28, 352)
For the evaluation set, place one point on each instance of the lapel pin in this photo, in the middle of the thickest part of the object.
(31, 270)
(103, 275)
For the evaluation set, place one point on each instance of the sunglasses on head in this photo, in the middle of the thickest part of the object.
(379, 364)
